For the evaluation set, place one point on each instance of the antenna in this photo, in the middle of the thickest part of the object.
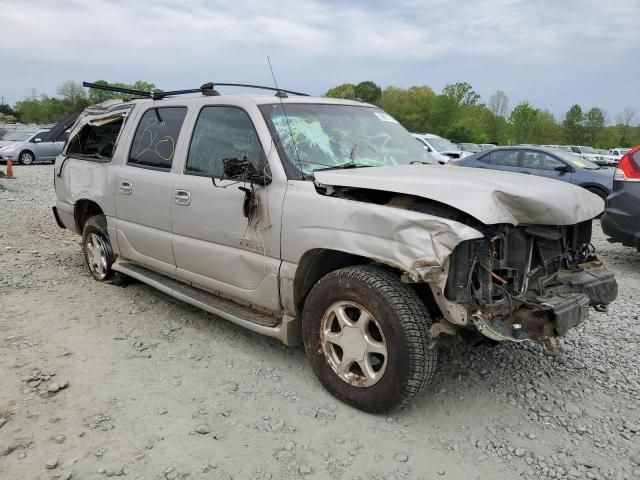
(282, 95)
(275, 82)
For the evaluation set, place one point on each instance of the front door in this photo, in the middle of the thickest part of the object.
(545, 165)
(43, 149)
(216, 246)
(143, 190)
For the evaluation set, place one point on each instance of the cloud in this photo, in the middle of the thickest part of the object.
(551, 53)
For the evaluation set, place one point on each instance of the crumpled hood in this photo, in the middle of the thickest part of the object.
(490, 196)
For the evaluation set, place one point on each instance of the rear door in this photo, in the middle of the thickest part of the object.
(143, 188)
(506, 160)
(218, 247)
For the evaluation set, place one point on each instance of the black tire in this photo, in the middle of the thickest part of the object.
(403, 320)
(598, 191)
(97, 226)
(26, 157)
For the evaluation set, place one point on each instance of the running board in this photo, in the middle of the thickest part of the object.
(288, 330)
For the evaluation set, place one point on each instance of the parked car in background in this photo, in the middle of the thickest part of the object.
(591, 154)
(439, 145)
(621, 218)
(27, 147)
(470, 147)
(441, 158)
(545, 162)
(487, 146)
(618, 152)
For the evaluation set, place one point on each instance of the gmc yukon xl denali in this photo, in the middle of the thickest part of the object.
(323, 222)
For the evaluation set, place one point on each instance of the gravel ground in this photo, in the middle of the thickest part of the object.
(100, 381)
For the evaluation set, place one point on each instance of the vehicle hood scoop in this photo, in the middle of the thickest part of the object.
(490, 196)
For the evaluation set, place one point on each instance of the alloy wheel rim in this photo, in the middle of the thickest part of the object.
(27, 158)
(353, 344)
(96, 255)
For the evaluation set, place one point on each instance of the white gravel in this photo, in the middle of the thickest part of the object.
(99, 381)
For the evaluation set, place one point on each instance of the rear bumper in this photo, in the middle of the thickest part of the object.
(621, 218)
(565, 305)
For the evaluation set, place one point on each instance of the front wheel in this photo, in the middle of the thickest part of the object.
(26, 158)
(365, 335)
(98, 252)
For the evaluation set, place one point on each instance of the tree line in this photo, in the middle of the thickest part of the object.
(72, 97)
(456, 113)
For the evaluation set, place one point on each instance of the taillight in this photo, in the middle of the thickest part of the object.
(629, 166)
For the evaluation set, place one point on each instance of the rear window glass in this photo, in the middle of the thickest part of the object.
(154, 143)
(96, 140)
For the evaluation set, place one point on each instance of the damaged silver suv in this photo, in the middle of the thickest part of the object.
(323, 222)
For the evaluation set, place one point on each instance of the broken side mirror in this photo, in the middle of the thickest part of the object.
(242, 170)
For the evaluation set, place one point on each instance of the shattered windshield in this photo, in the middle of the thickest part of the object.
(314, 137)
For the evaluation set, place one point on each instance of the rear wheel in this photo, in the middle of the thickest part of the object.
(597, 191)
(98, 252)
(26, 158)
(365, 335)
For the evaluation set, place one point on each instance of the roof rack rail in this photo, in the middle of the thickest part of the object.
(208, 89)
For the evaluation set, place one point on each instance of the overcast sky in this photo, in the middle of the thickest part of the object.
(553, 53)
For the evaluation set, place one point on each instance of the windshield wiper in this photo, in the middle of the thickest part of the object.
(342, 166)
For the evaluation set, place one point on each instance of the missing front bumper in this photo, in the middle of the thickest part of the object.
(564, 306)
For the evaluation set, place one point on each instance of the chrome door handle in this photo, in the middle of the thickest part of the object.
(126, 188)
(182, 197)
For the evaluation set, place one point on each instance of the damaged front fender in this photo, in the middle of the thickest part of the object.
(415, 243)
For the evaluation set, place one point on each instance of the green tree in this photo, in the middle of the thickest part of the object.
(462, 93)
(346, 90)
(594, 123)
(467, 129)
(498, 108)
(74, 93)
(7, 111)
(624, 126)
(572, 124)
(412, 107)
(524, 121)
(99, 96)
(547, 131)
(368, 91)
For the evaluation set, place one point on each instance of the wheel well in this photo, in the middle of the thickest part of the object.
(314, 265)
(84, 210)
(26, 150)
(595, 187)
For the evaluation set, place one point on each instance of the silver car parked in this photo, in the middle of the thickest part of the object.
(322, 221)
(29, 146)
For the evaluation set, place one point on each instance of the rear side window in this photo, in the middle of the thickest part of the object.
(97, 139)
(154, 143)
(505, 158)
(222, 133)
